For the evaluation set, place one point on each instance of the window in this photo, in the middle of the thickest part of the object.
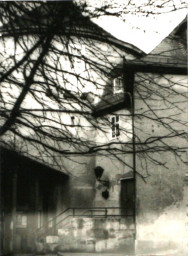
(39, 219)
(21, 220)
(72, 120)
(118, 85)
(115, 131)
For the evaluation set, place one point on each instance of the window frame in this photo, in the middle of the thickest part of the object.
(115, 87)
(114, 126)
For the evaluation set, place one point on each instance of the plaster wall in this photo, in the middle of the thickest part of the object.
(116, 164)
(78, 77)
(160, 186)
(81, 189)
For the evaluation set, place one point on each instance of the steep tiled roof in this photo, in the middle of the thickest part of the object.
(71, 22)
(171, 52)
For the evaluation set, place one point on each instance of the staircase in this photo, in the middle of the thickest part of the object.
(88, 230)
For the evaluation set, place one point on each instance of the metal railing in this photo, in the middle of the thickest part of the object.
(63, 218)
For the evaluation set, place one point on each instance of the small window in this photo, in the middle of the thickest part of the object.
(39, 219)
(72, 120)
(115, 129)
(118, 85)
(21, 220)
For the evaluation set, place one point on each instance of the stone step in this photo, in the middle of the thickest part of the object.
(89, 235)
(107, 254)
(93, 254)
(88, 254)
(90, 241)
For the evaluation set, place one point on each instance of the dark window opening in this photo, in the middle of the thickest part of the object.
(127, 197)
(115, 127)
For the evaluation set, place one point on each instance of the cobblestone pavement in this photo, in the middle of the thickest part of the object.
(91, 254)
(110, 254)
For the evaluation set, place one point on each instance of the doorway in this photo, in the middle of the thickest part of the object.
(127, 197)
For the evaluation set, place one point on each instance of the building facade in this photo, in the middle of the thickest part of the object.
(129, 193)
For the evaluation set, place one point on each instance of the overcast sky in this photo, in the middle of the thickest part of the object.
(135, 26)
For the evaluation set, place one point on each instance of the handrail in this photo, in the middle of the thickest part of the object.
(81, 208)
(59, 214)
(92, 212)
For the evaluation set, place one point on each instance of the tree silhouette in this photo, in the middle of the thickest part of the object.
(56, 73)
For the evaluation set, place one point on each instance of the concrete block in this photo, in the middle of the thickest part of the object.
(39, 247)
(52, 239)
(62, 232)
(94, 235)
(100, 245)
(123, 226)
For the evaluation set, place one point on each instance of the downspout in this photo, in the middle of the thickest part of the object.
(128, 83)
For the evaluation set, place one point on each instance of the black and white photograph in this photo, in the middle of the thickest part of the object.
(93, 128)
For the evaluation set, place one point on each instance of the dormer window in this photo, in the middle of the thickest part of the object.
(115, 129)
(118, 85)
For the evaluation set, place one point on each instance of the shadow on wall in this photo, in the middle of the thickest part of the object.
(79, 190)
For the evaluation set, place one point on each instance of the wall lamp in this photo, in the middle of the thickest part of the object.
(106, 183)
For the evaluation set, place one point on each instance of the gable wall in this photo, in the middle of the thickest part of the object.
(162, 189)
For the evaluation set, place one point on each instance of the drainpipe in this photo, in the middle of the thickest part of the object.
(13, 210)
(128, 83)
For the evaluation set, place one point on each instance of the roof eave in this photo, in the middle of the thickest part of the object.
(147, 67)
